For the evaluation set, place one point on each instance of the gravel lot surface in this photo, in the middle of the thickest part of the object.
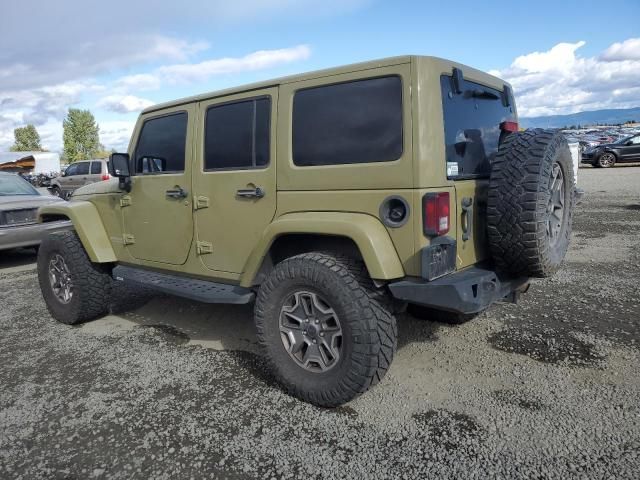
(548, 388)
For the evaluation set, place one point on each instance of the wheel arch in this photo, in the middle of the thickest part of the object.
(88, 225)
(359, 235)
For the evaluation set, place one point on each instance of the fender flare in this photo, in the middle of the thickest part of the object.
(366, 231)
(87, 224)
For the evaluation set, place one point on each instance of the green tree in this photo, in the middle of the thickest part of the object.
(80, 135)
(103, 152)
(27, 139)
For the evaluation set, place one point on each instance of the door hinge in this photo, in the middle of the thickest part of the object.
(125, 201)
(200, 202)
(128, 239)
(203, 248)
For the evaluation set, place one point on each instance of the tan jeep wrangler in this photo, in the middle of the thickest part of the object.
(332, 200)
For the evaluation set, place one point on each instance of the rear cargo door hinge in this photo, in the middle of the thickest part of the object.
(200, 202)
(125, 201)
(204, 248)
(128, 239)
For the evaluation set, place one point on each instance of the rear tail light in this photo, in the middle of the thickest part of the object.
(436, 214)
(509, 127)
(106, 176)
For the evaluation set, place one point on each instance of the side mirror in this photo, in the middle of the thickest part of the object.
(630, 142)
(63, 173)
(119, 166)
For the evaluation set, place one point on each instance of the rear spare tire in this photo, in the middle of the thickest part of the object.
(530, 204)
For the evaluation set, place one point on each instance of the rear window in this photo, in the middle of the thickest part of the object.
(351, 122)
(96, 168)
(472, 127)
(237, 135)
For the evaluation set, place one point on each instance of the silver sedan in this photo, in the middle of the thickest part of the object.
(19, 203)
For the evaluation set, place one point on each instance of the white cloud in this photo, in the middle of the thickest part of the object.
(139, 82)
(123, 103)
(195, 72)
(116, 134)
(627, 50)
(560, 81)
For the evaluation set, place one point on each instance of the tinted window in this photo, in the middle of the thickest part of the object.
(161, 145)
(472, 126)
(71, 170)
(96, 168)
(237, 134)
(82, 168)
(354, 122)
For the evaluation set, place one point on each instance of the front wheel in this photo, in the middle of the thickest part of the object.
(326, 337)
(74, 289)
(606, 160)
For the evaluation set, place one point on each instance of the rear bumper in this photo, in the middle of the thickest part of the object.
(469, 291)
(29, 235)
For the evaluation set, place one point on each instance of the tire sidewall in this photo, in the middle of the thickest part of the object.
(558, 252)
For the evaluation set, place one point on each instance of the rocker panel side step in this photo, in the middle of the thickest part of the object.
(194, 289)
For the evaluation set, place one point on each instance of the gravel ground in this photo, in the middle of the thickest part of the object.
(548, 388)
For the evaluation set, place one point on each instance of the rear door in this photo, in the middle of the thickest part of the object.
(473, 115)
(234, 180)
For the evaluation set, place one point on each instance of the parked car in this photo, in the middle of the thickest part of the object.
(332, 199)
(607, 155)
(79, 174)
(19, 203)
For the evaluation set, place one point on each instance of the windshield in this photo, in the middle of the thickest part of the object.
(15, 185)
(622, 140)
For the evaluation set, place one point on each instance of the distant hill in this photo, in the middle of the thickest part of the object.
(611, 117)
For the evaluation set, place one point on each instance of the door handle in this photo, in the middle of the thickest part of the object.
(467, 218)
(257, 192)
(176, 192)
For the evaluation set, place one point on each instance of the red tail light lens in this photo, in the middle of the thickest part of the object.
(436, 215)
(509, 126)
(106, 176)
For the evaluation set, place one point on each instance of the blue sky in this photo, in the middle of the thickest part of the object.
(116, 57)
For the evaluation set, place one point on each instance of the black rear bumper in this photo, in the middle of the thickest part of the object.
(469, 291)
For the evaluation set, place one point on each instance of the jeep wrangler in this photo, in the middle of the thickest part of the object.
(333, 200)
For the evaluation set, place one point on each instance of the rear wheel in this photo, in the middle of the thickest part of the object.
(325, 336)
(530, 205)
(74, 289)
(606, 160)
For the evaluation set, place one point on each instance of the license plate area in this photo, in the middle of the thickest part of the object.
(23, 216)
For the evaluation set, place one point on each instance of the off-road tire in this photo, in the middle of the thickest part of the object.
(441, 316)
(519, 196)
(91, 281)
(369, 328)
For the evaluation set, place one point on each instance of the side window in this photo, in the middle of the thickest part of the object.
(636, 140)
(71, 170)
(237, 135)
(161, 145)
(83, 168)
(352, 122)
(96, 168)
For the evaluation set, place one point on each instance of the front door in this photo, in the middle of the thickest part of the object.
(157, 213)
(234, 182)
